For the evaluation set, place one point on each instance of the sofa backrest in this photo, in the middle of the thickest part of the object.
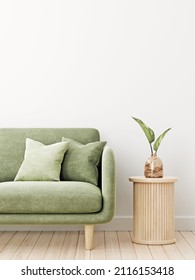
(12, 144)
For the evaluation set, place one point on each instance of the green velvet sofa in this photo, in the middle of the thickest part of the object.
(55, 202)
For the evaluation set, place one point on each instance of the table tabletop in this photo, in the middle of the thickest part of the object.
(142, 179)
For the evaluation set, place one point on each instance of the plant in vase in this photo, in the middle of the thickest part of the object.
(153, 166)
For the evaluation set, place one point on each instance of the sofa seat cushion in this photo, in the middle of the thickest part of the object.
(41, 197)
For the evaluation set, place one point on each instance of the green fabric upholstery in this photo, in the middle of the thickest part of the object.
(12, 144)
(49, 197)
(41, 162)
(103, 216)
(81, 161)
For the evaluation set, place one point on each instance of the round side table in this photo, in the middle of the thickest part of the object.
(153, 210)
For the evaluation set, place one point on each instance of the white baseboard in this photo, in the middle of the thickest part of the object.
(119, 223)
(185, 223)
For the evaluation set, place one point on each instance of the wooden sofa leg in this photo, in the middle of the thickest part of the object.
(89, 232)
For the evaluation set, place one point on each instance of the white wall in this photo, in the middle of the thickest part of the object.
(96, 64)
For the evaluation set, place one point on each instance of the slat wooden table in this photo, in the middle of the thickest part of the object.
(153, 210)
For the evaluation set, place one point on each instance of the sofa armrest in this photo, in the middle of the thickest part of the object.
(108, 184)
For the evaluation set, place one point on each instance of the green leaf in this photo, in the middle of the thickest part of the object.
(160, 138)
(148, 131)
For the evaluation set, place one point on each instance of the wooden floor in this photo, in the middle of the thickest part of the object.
(107, 245)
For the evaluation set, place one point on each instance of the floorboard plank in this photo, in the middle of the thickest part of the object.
(27, 245)
(183, 246)
(5, 238)
(13, 245)
(41, 246)
(69, 247)
(55, 246)
(126, 246)
(98, 252)
(107, 245)
(112, 246)
(142, 251)
(189, 237)
(81, 253)
(172, 252)
(158, 252)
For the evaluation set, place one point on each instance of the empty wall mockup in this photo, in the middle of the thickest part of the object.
(96, 64)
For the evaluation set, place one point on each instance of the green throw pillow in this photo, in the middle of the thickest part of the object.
(41, 162)
(81, 161)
